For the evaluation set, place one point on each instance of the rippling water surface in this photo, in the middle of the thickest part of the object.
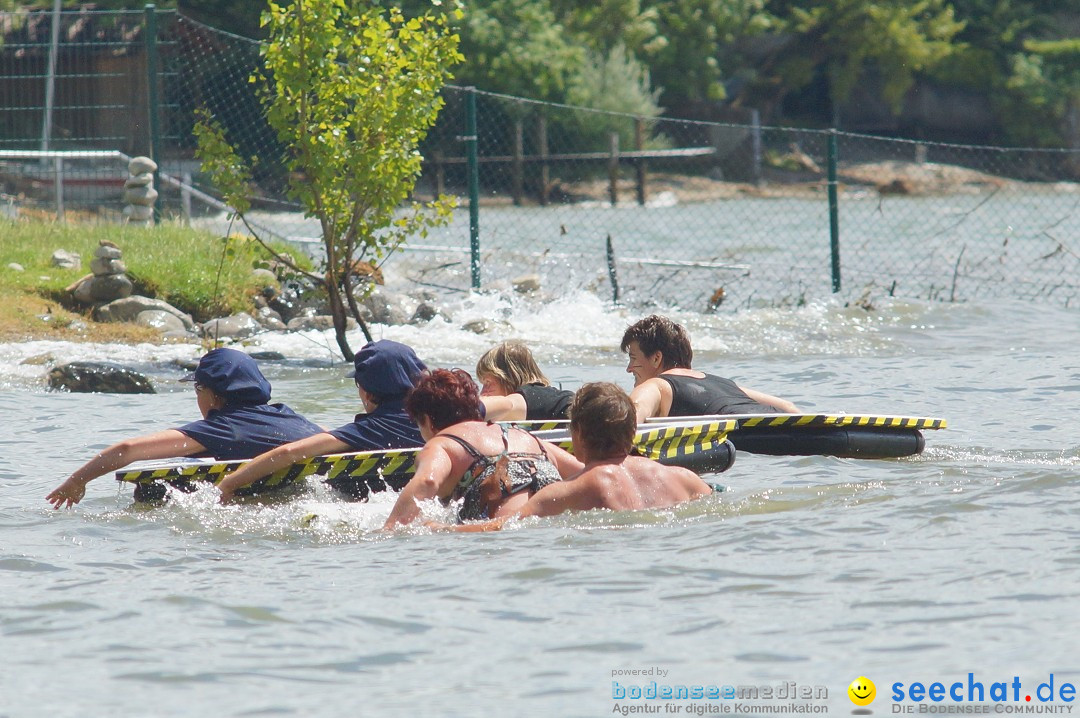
(809, 570)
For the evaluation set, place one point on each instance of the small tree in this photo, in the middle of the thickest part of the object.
(351, 91)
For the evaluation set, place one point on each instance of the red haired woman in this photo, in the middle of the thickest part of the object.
(492, 469)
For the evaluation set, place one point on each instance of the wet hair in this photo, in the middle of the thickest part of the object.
(445, 397)
(512, 365)
(605, 419)
(659, 334)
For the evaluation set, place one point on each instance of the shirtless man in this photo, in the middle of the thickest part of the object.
(602, 426)
(665, 385)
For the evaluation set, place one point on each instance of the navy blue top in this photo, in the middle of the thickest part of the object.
(243, 432)
(388, 427)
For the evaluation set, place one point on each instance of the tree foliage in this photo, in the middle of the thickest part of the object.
(519, 48)
(847, 39)
(351, 91)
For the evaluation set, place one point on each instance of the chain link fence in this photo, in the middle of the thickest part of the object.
(712, 216)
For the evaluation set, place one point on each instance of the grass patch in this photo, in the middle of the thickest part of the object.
(196, 272)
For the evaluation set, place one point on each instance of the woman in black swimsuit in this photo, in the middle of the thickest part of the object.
(514, 389)
(493, 470)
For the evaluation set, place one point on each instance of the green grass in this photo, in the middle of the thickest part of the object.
(199, 273)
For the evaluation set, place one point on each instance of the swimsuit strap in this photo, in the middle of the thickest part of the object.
(471, 474)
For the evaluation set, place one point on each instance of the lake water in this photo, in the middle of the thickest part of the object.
(813, 571)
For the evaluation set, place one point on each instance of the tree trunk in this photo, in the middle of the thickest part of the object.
(354, 308)
(337, 311)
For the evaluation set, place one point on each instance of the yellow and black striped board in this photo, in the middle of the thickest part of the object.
(862, 436)
(691, 444)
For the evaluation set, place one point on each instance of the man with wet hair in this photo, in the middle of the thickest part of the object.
(666, 385)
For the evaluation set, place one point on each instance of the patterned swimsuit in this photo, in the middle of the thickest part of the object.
(493, 478)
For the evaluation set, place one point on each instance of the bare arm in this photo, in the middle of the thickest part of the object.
(553, 499)
(162, 445)
(579, 494)
(279, 458)
(432, 478)
(504, 408)
(768, 400)
(647, 400)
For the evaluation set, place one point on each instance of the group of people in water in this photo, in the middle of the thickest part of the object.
(496, 471)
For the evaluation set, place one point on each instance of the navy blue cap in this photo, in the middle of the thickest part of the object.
(386, 368)
(232, 375)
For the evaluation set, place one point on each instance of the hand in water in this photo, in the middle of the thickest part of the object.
(67, 494)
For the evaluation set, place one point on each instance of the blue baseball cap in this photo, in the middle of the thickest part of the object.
(232, 375)
(386, 368)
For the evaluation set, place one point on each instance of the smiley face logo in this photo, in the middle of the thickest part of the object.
(862, 691)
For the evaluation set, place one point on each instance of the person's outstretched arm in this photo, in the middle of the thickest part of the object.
(769, 400)
(504, 408)
(284, 455)
(162, 445)
(553, 499)
(433, 467)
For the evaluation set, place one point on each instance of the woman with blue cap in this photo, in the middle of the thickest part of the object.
(385, 372)
(238, 423)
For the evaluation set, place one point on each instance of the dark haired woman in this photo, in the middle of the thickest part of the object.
(666, 385)
(492, 469)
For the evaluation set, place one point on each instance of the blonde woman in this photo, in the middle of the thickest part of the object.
(514, 389)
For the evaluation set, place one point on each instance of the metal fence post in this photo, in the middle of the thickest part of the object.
(474, 184)
(152, 88)
(834, 214)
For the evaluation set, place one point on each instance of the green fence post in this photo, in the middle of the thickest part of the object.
(834, 214)
(152, 88)
(474, 184)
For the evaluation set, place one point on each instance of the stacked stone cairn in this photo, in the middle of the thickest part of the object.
(109, 280)
(139, 192)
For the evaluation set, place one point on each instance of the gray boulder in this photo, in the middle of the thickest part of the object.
(102, 267)
(320, 322)
(16, 267)
(238, 326)
(129, 308)
(99, 377)
(382, 307)
(144, 196)
(138, 213)
(110, 288)
(265, 276)
(141, 165)
(162, 321)
(526, 284)
(269, 319)
(426, 312)
(486, 326)
(66, 260)
(107, 251)
(140, 180)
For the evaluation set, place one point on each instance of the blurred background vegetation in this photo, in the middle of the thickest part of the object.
(982, 71)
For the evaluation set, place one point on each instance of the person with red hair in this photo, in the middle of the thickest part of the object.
(602, 425)
(492, 469)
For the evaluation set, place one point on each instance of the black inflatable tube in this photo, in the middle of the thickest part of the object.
(863, 442)
(715, 460)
